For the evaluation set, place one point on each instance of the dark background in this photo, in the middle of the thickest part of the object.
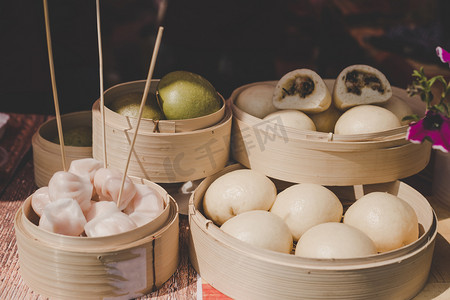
(230, 43)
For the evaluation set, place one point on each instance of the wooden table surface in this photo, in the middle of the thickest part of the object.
(17, 183)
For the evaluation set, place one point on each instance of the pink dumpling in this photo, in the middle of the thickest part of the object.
(40, 199)
(63, 216)
(100, 208)
(146, 200)
(68, 185)
(107, 184)
(142, 218)
(85, 167)
(109, 224)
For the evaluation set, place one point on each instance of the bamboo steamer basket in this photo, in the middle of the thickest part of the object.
(47, 155)
(243, 271)
(171, 155)
(120, 266)
(324, 158)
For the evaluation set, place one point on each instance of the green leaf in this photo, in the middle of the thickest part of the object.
(439, 108)
(414, 117)
(442, 107)
(433, 80)
(422, 86)
(416, 74)
(441, 79)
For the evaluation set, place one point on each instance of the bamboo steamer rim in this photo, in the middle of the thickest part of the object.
(102, 244)
(396, 134)
(67, 120)
(178, 126)
(310, 141)
(225, 119)
(290, 260)
(45, 145)
(151, 230)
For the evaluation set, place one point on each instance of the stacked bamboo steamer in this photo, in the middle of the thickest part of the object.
(351, 166)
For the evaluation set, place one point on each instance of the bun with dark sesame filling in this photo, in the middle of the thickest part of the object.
(302, 89)
(360, 84)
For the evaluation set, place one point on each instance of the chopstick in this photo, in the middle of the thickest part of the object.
(141, 108)
(55, 93)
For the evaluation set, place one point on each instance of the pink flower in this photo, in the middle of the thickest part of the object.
(443, 55)
(434, 127)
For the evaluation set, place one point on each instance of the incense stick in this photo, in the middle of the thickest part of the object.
(102, 98)
(141, 108)
(55, 93)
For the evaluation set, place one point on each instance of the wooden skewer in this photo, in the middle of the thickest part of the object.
(55, 93)
(141, 108)
(102, 98)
